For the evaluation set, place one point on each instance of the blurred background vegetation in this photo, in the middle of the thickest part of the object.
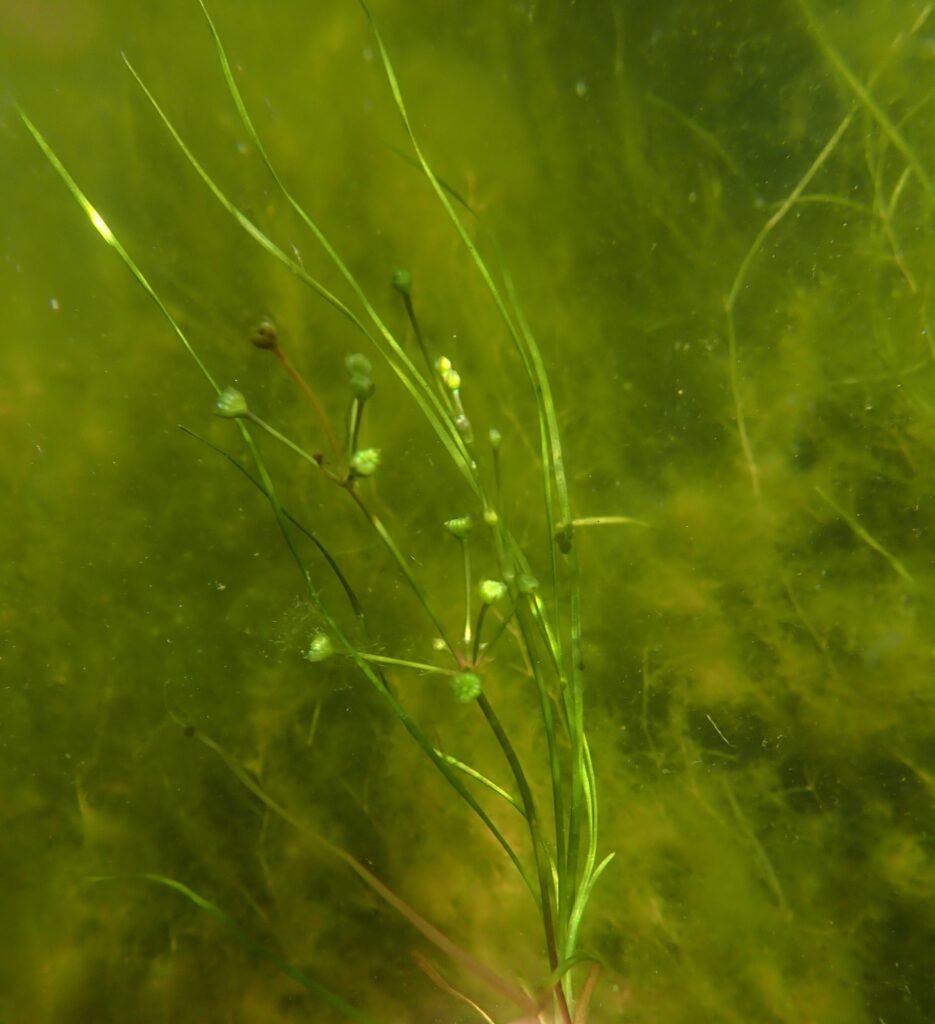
(719, 215)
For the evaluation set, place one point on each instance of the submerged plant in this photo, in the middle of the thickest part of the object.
(559, 859)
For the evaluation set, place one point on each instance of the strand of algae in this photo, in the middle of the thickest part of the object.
(862, 534)
(865, 97)
(730, 300)
(796, 195)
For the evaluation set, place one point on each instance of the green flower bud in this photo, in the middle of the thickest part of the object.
(364, 461)
(357, 365)
(466, 686)
(491, 591)
(402, 281)
(452, 379)
(490, 517)
(362, 387)
(464, 428)
(320, 648)
(495, 437)
(460, 527)
(231, 404)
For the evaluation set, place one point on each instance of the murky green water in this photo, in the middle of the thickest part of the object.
(718, 217)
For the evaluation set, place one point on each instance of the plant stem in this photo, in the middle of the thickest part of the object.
(282, 439)
(481, 615)
(419, 666)
(467, 595)
(311, 397)
(542, 866)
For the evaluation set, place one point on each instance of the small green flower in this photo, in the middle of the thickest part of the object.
(466, 686)
(231, 404)
(460, 527)
(491, 591)
(320, 648)
(364, 461)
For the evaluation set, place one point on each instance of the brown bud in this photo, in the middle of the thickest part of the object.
(265, 335)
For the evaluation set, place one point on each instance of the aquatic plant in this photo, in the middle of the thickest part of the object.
(508, 616)
(718, 216)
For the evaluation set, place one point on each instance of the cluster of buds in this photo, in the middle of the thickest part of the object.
(363, 462)
(452, 382)
(359, 368)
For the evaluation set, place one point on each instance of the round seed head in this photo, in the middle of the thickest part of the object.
(490, 516)
(231, 404)
(452, 379)
(364, 461)
(495, 438)
(491, 591)
(466, 686)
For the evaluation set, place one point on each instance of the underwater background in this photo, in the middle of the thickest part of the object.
(719, 219)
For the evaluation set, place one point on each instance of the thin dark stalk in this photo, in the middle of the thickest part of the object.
(417, 331)
(310, 534)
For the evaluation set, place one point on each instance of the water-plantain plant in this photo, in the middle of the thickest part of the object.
(545, 819)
